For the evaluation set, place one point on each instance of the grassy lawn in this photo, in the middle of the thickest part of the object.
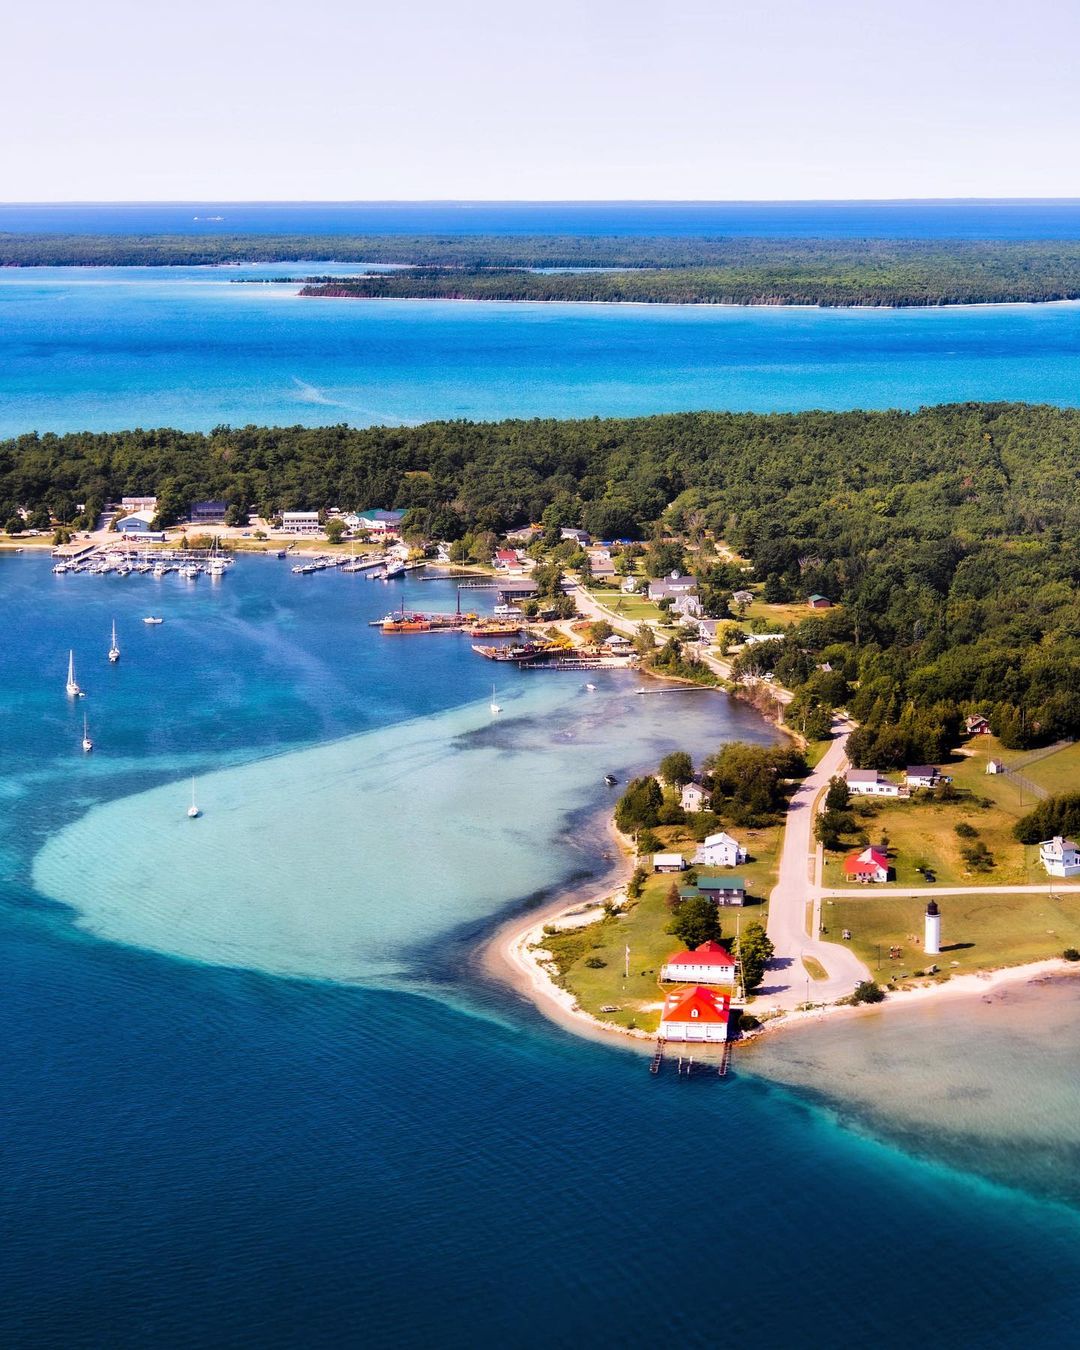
(922, 832)
(633, 608)
(1059, 772)
(784, 615)
(762, 845)
(643, 929)
(978, 932)
(814, 968)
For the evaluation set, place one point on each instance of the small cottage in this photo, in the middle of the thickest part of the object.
(723, 890)
(819, 602)
(1060, 857)
(708, 964)
(720, 850)
(696, 1014)
(977, 725)
(693, 797)
(871, 865)
(995, 766)
(922, 776)
(668, 862)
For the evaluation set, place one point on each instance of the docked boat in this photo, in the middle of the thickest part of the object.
(516, 651)
(72, 686)
(392, 570)
(87, 743)
(114, 650)
(406, 623)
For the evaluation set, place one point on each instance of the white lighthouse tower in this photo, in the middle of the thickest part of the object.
(932, 939)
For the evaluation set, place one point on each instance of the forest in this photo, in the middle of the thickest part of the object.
(949, 537)
(659, 269)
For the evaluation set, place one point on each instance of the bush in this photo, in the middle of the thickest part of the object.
(965, 831)
(595, 963)
(748, 1022)
(649, 842)
(868, 991)
(1071, 954)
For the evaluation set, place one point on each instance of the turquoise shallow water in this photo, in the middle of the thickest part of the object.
(200, 1152)
(105, 348)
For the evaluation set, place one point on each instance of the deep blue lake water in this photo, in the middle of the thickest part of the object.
(105, 348)
(196, 1155)
(971, 219)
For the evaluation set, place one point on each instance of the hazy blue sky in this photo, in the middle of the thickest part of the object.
(250, 99)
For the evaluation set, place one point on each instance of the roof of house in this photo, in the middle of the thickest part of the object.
(721, 838)
(388, 517)
(863, 775)
(696, 1004)
(922, 771)
(1059, 842)
(506, 555)
(210, 506)
(668, 859)
(708, 954)
(812, 598)
(721, 884)
(869, 860)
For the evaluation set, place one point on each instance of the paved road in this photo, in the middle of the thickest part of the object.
(786, 983)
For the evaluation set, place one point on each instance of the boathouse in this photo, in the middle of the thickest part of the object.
(696, 1014)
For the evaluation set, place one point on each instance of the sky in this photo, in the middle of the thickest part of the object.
(230, 100)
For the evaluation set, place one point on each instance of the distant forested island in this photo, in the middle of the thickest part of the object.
(950, 536)
(660, 269)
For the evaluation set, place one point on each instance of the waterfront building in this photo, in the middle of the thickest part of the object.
(380, 523)
(932, 935)
(708, 964)
(301, 522)
(871, 865)
(1060, 857)
(668, 862)
(208, 513)
(723, 890)
(138, 522)
(869, 783)
(696, 1014)
(720, 850)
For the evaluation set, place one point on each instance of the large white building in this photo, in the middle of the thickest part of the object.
(1060, 857)
(301, 522)
(708, 964)
(869, 783)
(720, 850)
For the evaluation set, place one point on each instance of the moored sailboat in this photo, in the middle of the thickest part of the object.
(193, 810)
(114, 650)
(87, 743)
(72, 687)
(495, 706)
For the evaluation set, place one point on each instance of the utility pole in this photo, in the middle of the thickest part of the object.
(626, 965)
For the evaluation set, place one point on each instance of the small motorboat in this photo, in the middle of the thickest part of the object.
(610, 779)
(590, 688)
(150, 618)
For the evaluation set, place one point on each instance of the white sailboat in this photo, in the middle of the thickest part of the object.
(73, 690)
(114, 650)
(495, 707)
(87, 743)
(193, 810)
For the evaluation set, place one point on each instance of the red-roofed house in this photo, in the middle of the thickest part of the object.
(870, 865)
(695, 1015)
(708, 964)
(506, 560)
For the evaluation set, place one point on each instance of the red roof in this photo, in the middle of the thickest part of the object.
(695, 1005)
(866, 863)
(506, 555)
(708, 954)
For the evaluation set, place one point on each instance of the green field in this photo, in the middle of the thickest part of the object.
(921, 832)
(1059, 772)
(633, 608)
(978, 931)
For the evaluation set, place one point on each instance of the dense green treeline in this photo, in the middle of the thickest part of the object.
(951, 536)
(666, 269)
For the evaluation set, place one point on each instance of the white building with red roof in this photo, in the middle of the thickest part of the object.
(695, 1014)
(872, 864)
(708, 964)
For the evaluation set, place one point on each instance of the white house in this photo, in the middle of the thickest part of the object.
(708, 964)
(995, 766)
(695, 1014)
(720, 850)
(743, 597)
(301, 522)
(139, 504)
(922, 776)
(869, 783)
(693, 797)
(668, 862)
(1060, 857)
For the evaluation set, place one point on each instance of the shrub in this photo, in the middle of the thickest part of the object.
(964, 830)
(748, 1022)
(868, 991)
(1071, 954)
(595, 963)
